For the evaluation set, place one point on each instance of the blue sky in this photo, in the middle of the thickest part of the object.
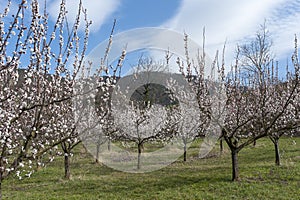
(231, 20)
(227, 20)
(128, 13)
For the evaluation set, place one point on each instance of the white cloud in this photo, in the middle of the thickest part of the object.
(284, 24)
(235, 20)
(98, 11)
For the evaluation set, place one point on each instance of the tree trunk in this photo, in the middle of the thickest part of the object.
(277, 153)
(108, 145)
(184, 153)
(140, 146)
(97, 153)
(38, 163)
(254, 143)
(0, 186)
(67, 167)
(38, 167)
(235, 166)
(221, 146)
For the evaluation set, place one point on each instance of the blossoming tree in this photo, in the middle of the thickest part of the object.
(31, 111)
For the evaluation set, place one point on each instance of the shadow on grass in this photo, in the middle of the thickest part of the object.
(151, 183)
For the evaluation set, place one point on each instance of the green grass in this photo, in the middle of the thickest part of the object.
(208, 178)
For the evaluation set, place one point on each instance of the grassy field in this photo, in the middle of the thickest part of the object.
(195, 179)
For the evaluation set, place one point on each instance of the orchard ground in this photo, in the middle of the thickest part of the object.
(208, 178)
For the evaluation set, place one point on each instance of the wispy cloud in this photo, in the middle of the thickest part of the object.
(98, 11)
(284, 24)
(234, 21)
